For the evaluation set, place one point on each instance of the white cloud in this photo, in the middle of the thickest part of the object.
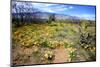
(87, 16)
(54, 8)
(47, 9)
(50, 7)
(59, 9)
(71, 7)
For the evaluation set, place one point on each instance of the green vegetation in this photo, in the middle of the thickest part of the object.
(41, 40)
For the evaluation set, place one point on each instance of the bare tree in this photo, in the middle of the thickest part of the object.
(23, 12)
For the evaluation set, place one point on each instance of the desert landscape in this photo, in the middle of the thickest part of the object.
(51, 37)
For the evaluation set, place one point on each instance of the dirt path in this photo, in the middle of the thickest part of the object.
(60, 55)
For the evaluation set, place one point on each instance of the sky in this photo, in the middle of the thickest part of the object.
(86, 12)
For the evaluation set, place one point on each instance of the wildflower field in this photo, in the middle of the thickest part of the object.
(55, 42)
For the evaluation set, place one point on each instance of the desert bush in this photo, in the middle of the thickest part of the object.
(87, 42)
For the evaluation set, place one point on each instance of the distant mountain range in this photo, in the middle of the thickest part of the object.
(46, 15)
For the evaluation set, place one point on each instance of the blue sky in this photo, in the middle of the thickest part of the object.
(86, 12)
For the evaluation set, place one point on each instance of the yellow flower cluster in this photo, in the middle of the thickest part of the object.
(48, 54)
